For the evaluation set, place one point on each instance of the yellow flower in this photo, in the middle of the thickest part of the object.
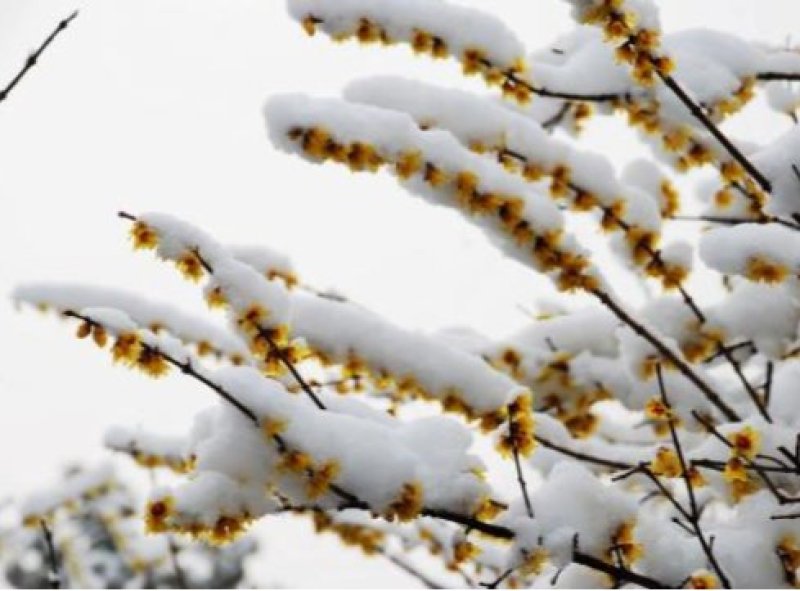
(315, 142)
(434, 176)
(367, 31)
(226, 529)
(472, 61)
(656, 410)
(624, 541)
(760, 269)
(488, 509)
(309, 24)
(144, 237)
(723, 198)
(250, 320)
(272, 427)
(408, 504)
(464, 551)
(666, 463)
(127, 348)
(732, 171)
(157, 514)
(466, 185)
(789, 554)
(215, 298)
(152, 363)
(84, 330)
(408, 164)
(534, 562)
(321, 478)
(362, 156)
(295, 461)
(439, 48)
(735, 471)
(745, 443)
(99, 336)
(421, 41)
(702, 579)
(190, 266)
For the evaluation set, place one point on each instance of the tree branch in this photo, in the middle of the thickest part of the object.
(53, 577)
(34, 57)
(701, 116)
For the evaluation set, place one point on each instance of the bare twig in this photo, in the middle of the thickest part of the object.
(676, 360)
(410, 569)
(34, 57)
(704, 119)
(53, 576)
(694, 511)
(512, 427)
(583, 457)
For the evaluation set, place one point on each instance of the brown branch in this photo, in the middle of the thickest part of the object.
(512, 428)
(665, 351)
(694, 511)
(616, 572)
(768, 384)
(551, 123)
(583, 457)
(704, 119)
(403, 565)
(53, 576)
(762, 473)
(34, 57)
(751, 392)
(499, 580)
(778, 76)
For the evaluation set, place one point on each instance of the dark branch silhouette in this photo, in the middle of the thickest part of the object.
(34, 57)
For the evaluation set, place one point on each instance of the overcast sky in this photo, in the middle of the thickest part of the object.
(155, 105)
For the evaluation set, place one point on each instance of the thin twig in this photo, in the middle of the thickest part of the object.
(616, 572)
(34, 57)
(778, 76)
(499, 580)
(512, 427)
(751, 392)
(584, 457)
(701, 116)
(408, 568)
(679, 363)
(53, 576)
(694, 511)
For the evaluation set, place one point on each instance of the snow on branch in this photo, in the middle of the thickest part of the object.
(615, 439)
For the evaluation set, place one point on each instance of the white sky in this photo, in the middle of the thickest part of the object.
(155, 105)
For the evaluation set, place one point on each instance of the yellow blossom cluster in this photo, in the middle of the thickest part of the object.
(702, 579)
(572, 271)
(519, 435)
(569, 401)
(642, 243)
(161, 516)
(636, 45)
(762, 269)
(624, 546)
(270, 344)
(151, 460)
(474, 60)
(744, 446)
(368, 540)
(789, 553)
